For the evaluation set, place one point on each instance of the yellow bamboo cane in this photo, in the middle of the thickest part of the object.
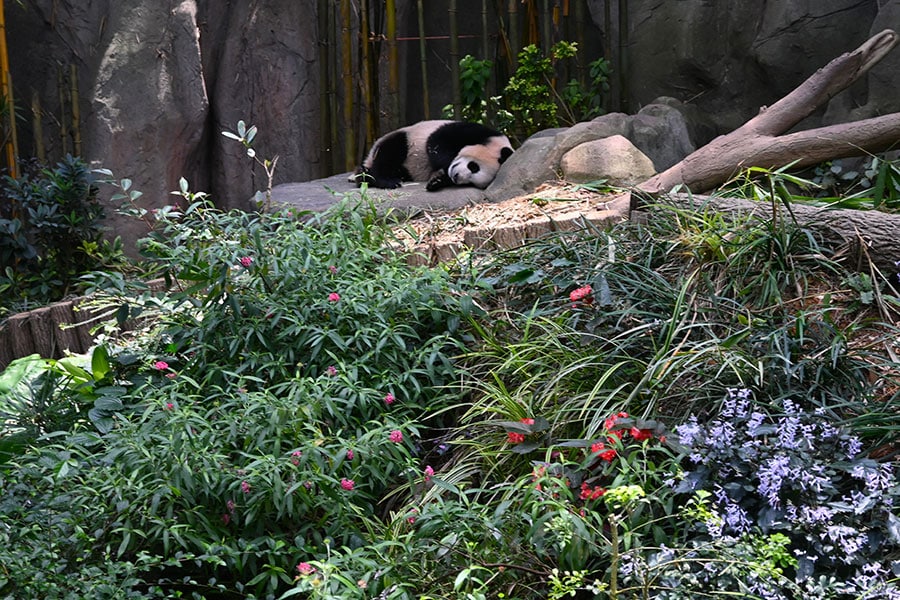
(393, 64)
(6, 84)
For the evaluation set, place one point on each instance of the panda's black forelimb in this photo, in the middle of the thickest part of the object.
(438, 181)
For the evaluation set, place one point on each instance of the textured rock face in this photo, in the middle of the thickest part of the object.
(263, 59)
(148, 127)
(731, 58)
(141, 91)
(158, 81)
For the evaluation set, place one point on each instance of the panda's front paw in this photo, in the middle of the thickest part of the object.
(438, 180)
(361, 176)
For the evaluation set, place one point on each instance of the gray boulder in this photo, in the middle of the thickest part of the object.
(588, 131)
(613, 159)
(526, 169)
(661, 132)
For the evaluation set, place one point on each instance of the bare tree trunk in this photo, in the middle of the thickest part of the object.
(760, 142)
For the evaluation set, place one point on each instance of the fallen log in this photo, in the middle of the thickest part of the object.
(861, 239)
(761, 141)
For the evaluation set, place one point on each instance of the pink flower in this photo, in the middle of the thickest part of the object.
(295, 457)
(160, 365)
(226, 518)
(306, 569)
(607, 454)
(514, 437)
(350, 454)
(246, 261)
(611, 420)
(331, 370)
(389, 399)
(396, 436)
(347, 484)
(169, 406)
(641, 434)
(429, 472)
(230, 505)
(171, 375)
(582, 293)
(333, 269)
(527, 421)
(334, 297)
(245, 487)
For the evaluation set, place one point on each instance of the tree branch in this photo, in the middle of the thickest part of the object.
(759, 141)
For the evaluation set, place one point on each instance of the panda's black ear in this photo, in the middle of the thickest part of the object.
(505, 153)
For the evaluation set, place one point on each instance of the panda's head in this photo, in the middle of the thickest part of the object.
(478, 164)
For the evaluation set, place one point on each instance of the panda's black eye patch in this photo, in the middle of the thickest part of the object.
(473, 166)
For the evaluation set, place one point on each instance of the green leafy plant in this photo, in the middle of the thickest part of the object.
(875, 184)
(51, 234)
(474, 76)
(531, 97)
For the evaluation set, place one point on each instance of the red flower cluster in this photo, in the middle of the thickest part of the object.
(583, 293)
(514, 437)
(614, 433)
(589, 493)
(607, 454)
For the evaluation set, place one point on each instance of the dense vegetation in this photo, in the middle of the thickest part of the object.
(685, 408)
(51, 233)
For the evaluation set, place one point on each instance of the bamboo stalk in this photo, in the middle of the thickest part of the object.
(514, 39)
(347, 78)
(423, 57)
(546, 22)
(76, 109)
(370, 101)
(393, 64)
(579, 37)
(63, 120)
(623, 55)
(607, 46)
(327, 143)
(454, 60)
(531, 21)
(485, 33)
(37, 126)
(11, 144)
(332, 107)
(503, 49)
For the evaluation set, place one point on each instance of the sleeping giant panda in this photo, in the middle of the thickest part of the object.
(440, 153)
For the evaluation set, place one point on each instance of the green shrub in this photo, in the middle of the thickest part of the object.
(267, 404)
(51, 234)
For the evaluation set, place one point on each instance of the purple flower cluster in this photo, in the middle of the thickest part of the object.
(796, 473)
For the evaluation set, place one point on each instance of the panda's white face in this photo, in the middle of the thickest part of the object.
(478, 164)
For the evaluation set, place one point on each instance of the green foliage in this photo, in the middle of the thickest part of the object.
(264, 300)
(530, 100)
(51, 234)
(875, 185)
(529, 93)
(42, 396)
(474, 76)
(303, 415)
(531, 97)
(274, 397)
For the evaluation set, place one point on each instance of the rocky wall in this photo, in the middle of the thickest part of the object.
(158, 81)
